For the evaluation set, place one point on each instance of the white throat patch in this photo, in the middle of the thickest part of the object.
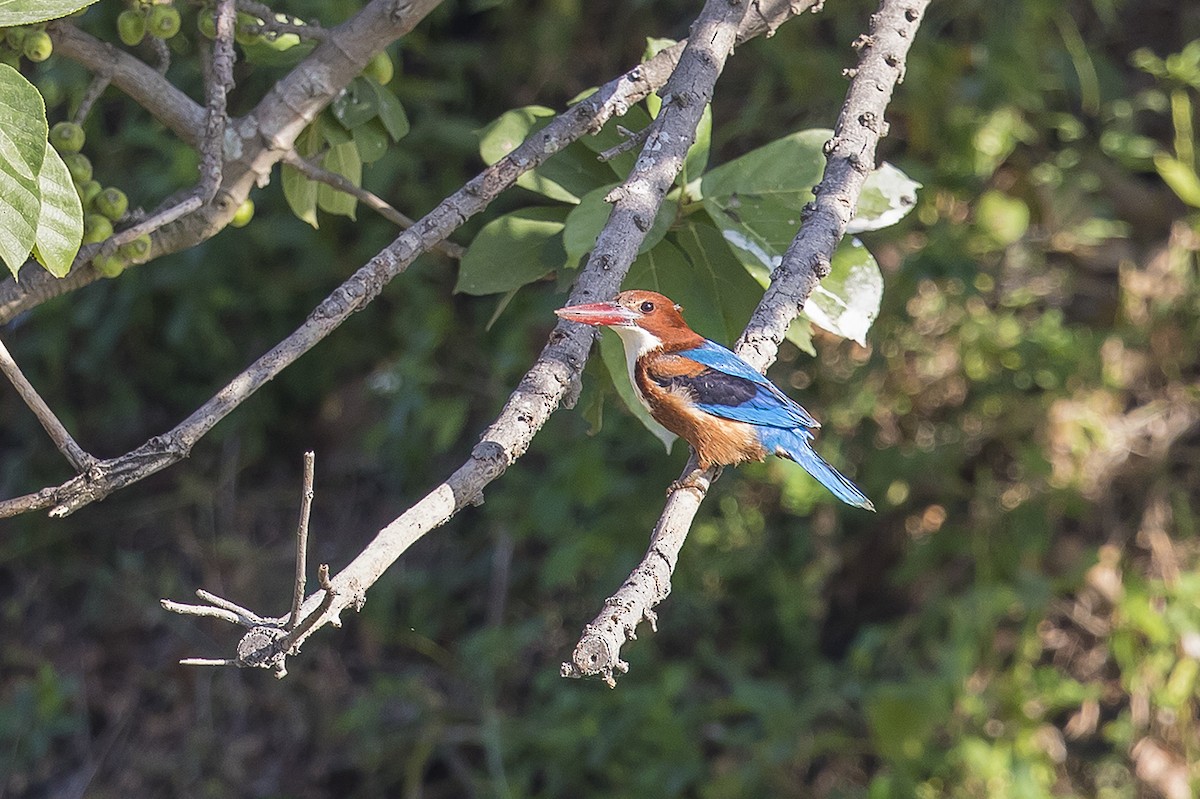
(637, 343)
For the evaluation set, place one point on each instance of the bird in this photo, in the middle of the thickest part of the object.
(704, 393)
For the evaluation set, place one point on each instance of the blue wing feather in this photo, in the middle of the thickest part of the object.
(769, 406)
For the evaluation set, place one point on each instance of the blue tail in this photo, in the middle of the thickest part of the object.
(794, 445)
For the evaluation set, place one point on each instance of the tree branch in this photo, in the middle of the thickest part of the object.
(218, 80)
(850, 157)
(75, 455)
(554, 377)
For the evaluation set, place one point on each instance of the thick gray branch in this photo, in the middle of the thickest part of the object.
(850, 158)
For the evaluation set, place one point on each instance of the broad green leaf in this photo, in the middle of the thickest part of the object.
(24, 12)
(300, 193)
(887, 196)
(587, 219)
(847, 301)
(371, 140)
(799, 332)
(391, 112)
(612, 352)
(758, 228)
(356, 104)
(566, 176)
(789, 166)
(342, 159)
(1180, 177)
(513, 250)
(331, 131)
(23, 132)
(505, 133)
(721, 277)
(60, 223)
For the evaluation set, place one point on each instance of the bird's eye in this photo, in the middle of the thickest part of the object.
(647, 306)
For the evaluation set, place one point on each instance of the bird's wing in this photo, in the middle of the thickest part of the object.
(724, 385)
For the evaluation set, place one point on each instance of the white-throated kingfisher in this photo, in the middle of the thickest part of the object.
(726, 409)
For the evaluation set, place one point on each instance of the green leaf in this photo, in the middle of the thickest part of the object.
(301, 194)
(299, 191)
(566, 176)
(1180, 177)
(758, 228)
(331, 131)
(587, 219)
(612, 352)
(799, 332)
(731, 290)
(887, 196)
(847, 301)
(391, 112)
(23, 132)
(342, 159)
(356, 104)
(24, 12)
(513, 250)
(371, 140)
(789, 166)
(60, 223)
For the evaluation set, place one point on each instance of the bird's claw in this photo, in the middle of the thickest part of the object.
(690, 483)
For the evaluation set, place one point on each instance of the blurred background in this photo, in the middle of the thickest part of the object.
(1020, 619)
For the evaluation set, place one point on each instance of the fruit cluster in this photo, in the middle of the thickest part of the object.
(158, 18)
(101, 206)
(30, 41)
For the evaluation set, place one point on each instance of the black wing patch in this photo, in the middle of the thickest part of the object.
(712, 387)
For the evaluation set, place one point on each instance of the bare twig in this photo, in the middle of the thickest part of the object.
(850, 158)
(306, 498)
(62, 439)
(269, 640)
(289, 642)
(162, 54)
(633, 138)
(94, 90)
(218, 80)
(369, 199)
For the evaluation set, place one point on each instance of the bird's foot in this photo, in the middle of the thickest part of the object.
(691, 483)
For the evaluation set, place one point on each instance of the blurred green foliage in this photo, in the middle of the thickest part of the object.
(1020, 619)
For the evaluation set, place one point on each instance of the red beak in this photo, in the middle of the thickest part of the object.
(599, 313)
